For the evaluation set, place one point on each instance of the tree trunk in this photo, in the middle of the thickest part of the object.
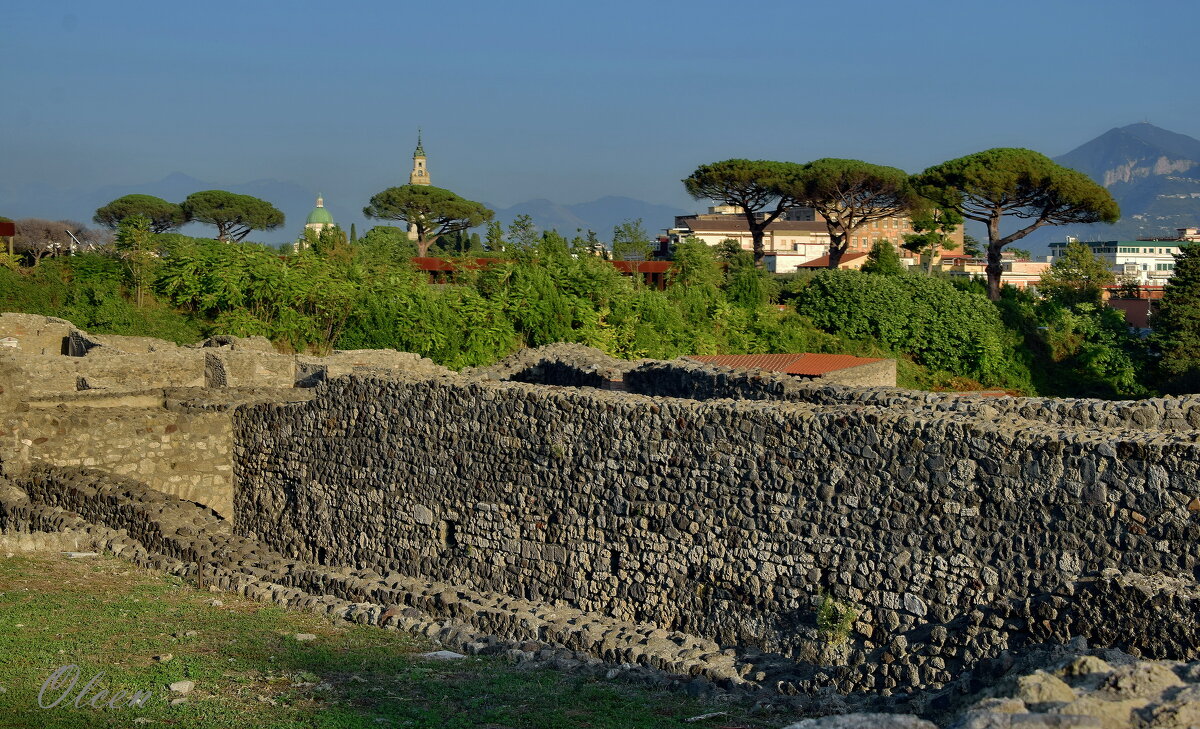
(837, 248)
(994, 270)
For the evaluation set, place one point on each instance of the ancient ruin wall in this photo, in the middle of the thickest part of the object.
(577, 365)
(720, 519)
(185, 453)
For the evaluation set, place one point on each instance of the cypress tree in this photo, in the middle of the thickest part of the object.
(1176, 324)
(883, 259)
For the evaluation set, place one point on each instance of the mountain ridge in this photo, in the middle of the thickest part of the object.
(1152, 173)
(600, 215)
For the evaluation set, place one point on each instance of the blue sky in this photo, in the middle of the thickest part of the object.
(565, 100)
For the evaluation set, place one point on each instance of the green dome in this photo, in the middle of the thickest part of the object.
(319, 214)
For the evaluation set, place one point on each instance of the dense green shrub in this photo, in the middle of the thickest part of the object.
(301, 301)
(939, 326)
(1082, 349)
(367, 295)
(91, 291)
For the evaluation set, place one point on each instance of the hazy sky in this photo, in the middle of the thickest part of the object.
(566, 100)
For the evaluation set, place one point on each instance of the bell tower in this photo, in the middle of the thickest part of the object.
(420, 173)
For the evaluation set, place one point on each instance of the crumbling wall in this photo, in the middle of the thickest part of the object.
(35, 334)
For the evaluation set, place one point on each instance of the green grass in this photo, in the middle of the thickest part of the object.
(107, 615)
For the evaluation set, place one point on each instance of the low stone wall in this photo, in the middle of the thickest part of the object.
(572, 364)
(52, 357)
(157, 530)
(726, 520)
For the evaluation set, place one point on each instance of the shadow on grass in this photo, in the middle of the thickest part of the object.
(250, 672)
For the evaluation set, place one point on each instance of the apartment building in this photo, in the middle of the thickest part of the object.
(1149, 262)
(788, 241)
(797, 237)
(1018, 273)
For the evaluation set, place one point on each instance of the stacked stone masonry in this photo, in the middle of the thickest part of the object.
(955, 536)
(148, 408)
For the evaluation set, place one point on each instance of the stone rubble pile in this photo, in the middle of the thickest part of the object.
(1057, 689)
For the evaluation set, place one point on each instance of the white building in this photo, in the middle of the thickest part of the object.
(787, 242)
(1149, 262)
(796, 237)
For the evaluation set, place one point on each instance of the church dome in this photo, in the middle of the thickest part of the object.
(319, 214)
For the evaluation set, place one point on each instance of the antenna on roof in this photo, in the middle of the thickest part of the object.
(76, 245)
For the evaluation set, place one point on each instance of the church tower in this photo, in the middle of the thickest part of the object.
(419, 176)
(420, 173)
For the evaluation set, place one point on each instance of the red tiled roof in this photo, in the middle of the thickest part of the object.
(430, 263)
(811, 365)
(642, 266)
(823, 261)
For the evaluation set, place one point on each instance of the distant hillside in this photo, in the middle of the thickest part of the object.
(1152, 173)
(600, 215)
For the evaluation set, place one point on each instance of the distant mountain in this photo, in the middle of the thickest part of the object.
(600, 215)
(547, 215)
(1152, 173)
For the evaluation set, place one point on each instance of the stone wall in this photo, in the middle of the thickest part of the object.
(184, 453)
(52, 358)
(722, 506)
(88, 509)
(684, 378)
(871, 374)
(726, 519)
(36, 334)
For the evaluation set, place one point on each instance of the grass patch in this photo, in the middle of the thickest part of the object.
(108, 616)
